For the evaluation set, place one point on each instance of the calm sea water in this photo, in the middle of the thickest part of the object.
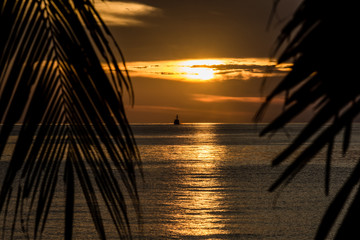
(210, 181)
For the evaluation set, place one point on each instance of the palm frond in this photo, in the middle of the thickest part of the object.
(72, 114)
(322, 42)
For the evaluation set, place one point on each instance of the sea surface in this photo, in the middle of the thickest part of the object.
(210, 181)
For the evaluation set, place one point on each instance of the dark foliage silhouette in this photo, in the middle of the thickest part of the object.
(74, 127)
(322, 41)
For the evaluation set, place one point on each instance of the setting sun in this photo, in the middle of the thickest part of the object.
(204, 70)
(199, 69)
(198, 73)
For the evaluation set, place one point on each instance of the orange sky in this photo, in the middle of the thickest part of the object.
(205, 60)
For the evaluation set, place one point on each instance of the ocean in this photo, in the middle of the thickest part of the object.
(210, 181)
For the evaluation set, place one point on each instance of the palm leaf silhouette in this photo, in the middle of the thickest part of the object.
(74, 127)
(322, 42)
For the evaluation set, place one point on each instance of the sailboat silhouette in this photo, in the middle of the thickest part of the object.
(177, 121)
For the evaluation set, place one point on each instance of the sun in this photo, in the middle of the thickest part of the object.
(199, 69)
(198, 73)
(192, 70)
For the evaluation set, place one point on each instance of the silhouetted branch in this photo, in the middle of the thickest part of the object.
(322, 42)
(72, 114)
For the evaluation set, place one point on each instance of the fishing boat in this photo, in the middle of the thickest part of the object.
(177, 121)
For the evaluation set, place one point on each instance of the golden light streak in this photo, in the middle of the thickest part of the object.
(204, 70)
(215, 98)
(201, 205)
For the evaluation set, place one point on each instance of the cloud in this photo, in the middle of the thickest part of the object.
(202, 70)
(124, 13)
(215, 98)
(224, 68)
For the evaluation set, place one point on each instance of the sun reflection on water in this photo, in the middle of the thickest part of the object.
(199, 203)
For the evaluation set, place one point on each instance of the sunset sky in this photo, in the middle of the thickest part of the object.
(202, 59)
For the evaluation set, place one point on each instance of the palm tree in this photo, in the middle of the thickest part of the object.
(322, 42)
(52, 80)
